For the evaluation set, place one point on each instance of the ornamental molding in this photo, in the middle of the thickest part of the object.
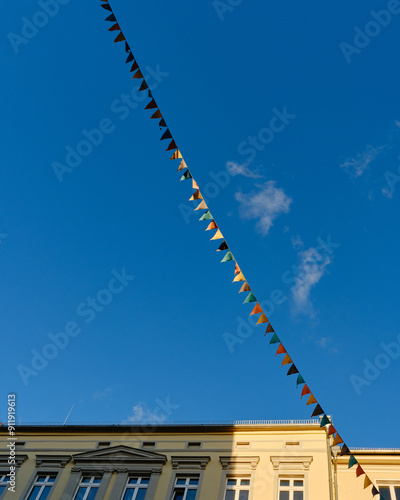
(19, 460)
(52, 461)
(190, 463)
(236, 462)
(291, 463)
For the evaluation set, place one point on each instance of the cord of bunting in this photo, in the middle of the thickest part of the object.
(325, 421)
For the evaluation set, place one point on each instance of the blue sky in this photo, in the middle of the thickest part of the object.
(292, 128)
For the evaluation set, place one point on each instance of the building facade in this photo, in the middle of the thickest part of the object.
(291, 460)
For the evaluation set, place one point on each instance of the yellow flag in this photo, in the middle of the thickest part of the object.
(367, 481)
(239, 277)
(176, 155)
(262, 319)
(217, 236)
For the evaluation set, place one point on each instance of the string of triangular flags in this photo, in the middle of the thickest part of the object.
(325, 421)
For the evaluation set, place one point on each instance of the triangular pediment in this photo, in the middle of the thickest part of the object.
(120, 454)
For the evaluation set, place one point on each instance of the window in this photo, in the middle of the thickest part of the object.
(291, 489)
(4, 480)
(390, 492)
(41, 487)
(87, 488)
(136, 488)
(185, 488)
(237, 489)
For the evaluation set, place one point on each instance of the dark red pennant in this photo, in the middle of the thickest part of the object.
(332, 430)
(172, 146)
(144, 86)
(157, 114)
(115, 27)
(138, 74)
(120, 38)
(152, 104)
(345, 451)
(135, 66)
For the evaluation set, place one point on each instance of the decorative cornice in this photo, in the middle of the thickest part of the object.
(190, 462)
(19, 460)
(239, 462)
(291, 463)
(55, 461)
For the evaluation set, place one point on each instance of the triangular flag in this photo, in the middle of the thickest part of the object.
(129, 58)
(287, 360)
(281, 350)
(162, 123)
(194, 184)
(245, 288)
(166, 135)
(374, 491)
(171, 146)
(157, 114)
(300, 380)
(150, 94)
(250, 298)
(223, 245)
(217, 236)
(111, 18)
(127, 48)
(311, 400)
(262, 319)
(135, 67)
(196, 196)
(332, 430)
(270, 329)
(182, 165)
(337, 440)
(228, 256)
(359, 471)
(257, 309)
(367, 482)
(317, 411)
(344, 450)
(106, 6)
(114, 27)
(186, 175)
(274, 339)
(292, 370)
(237, 268)
(144, 86)
(207, 216)
(352, 461)
(201, 206)
(305, 390)
(177, 155)
(212, 225)
(152, 104)
(238, 277)
(120, 38)
(324, 421)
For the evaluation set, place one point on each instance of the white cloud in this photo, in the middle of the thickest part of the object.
(297, 242)
(101, 395)
(355, 167)
(141, 413)
(264, 205)
(237, 169)
(312, 267)
(325, 343)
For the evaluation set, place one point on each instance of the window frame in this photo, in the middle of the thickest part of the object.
(90, 485)
(4, 483)
(136, 486)
(391, 485)
(188, 477)
(291, 488)
(43, 485)
(238, 487)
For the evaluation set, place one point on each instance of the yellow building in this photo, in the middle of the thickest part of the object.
(284, 460)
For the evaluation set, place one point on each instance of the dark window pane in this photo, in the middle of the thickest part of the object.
(245, 482)
(230, 495)
(298, 483)
(92, 494)
(41, 479)
(2, 488)
(34, 493)
(133, 480)
(244, 495)
(193, 481)
(45, 493)
(298, 495)
(231, 482)
(284, 482)
(178, 495)
(141, 494)
(97, 480)
(284, 495)
(397, 493)
(86, 480)
(129, 494)
(191, 494)
(80, 494)
(385, 492)
(181, 481)
(144, 481)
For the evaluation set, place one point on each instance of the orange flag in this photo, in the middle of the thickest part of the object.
(337, 440)
(287, 360)
(281, 350)
(367, 482)
(305, 390)
(212, 225)
(182, 166)
(196, 196)
(257, 309)
(311, 400)
(262, 319)
(237, 269)
(194, 184)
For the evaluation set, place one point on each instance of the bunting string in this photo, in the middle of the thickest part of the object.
(239, 277)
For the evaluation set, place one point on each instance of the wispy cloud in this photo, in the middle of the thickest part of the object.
(241, 169)
(355, 167)
(297, 242)
(141, 413)
(312, 267)
(265, 205)
(101, 395)
(326, 343)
